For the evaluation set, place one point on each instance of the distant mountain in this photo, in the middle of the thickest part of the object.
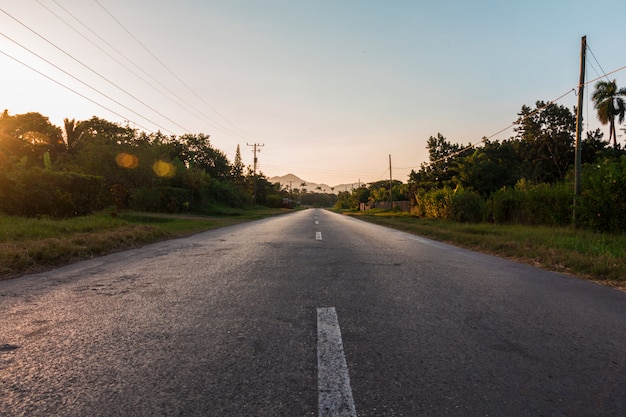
(293, 181)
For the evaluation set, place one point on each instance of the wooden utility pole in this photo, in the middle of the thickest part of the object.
(256, 150)
(390, 184)
(579, 125)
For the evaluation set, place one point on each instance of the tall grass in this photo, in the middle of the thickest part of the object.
(14, 228)
(36, 244)
(584, 253)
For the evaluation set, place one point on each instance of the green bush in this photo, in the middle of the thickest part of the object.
(221, 193)
(435, 204)
(603, 200)
(467, 206)
(550, 204)
(161, 199)
(541, 204)
(42, 192)
(274, 201)
(504, 206)
(460, 205)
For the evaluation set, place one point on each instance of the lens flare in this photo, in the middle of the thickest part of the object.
(164, 169)
(126, 160)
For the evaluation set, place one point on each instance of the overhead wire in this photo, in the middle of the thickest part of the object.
(179, 79)
(95, 44)
(171, 95)
(198, 96)
(71, 89)
(597, 62)
(537, 110)
(81, 81)
(92, 70)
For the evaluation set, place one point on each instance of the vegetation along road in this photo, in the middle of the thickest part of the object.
(309, 313)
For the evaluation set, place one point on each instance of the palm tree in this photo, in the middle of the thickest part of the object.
(609, 102)
(73, 133)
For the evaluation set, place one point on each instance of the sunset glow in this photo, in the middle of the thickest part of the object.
(331, 88)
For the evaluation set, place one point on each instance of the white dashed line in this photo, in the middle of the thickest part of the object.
(333, 382)
(318, 235)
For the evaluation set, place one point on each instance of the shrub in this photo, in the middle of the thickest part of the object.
(503, 206)
(274, 201)
(540, 204)
(161, 199)
(435, 204)
(221, 193)
(467, 206)
(603, 200)
(42, 192)
(460, 205)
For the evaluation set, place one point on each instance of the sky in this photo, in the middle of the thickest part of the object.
(330, 88)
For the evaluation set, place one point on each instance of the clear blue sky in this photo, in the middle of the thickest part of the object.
(331, 88)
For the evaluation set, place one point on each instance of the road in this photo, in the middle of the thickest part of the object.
(265, 318)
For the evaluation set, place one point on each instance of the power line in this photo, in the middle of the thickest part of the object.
(94, 43)
(82, 82)
(539, 109)
(172, 96)
(596, 59)
(172, 72)
(71, 89)
(606, 75)
(92, 70)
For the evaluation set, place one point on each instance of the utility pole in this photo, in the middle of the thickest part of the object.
(256, 150)
(579, 124)
(390, 184)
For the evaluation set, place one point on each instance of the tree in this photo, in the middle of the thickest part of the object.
(489, 168)
(442, 168)
(593, 147)
(73, 134)
(199, 154)
(237, 170)
(545, 141)
(108, 131)
(35, 132)
(609, 102)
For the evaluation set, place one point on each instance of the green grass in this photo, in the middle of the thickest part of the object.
(30, 245)
(33, 245)
(596, 256)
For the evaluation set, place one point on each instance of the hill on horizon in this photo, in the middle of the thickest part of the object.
(293, 181)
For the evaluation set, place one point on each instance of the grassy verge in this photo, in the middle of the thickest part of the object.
(32, 245)
(583, 253)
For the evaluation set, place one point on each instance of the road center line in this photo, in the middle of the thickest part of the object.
(333, 382)
(318, 235)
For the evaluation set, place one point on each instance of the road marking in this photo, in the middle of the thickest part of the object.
(333, 382)
(317, 222)
(318, 235)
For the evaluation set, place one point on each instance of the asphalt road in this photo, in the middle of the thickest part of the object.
(232, 322)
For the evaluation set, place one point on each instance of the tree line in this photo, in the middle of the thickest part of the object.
(94, 164)
(527, 178)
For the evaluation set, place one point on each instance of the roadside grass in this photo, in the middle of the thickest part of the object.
(29, 245)
(586, 254)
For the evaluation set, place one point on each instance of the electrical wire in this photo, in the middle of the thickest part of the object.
(173, 73)
(172, 96)
(539, 109)
(596, 59)
(82, 82)
(92, 70)
(72, 90)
